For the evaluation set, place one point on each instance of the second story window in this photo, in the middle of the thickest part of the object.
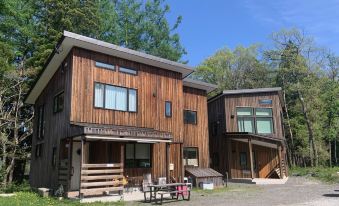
(128, 70)
(58, 102)
(255, 120)
(41, 122)
(245, 119)
(114, 97)
(264, 120)
(190, 117)
(168, 109)
(104, 65)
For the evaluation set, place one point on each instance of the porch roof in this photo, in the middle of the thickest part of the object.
(123, 133)
(256, 139)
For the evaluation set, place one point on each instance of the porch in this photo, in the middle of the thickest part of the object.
(106, 160)
(255, 156)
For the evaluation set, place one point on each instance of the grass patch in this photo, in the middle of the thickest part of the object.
(31, 198)
(324, 174)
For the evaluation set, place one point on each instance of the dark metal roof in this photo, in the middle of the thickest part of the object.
(249, 91)
(188, 82)
(202, 172)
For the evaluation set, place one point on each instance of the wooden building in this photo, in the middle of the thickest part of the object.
(247, 133)
(105, 112)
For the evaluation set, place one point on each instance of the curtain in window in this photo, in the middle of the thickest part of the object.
(132, 98)
(110, 97)
(245, 124)
(99, 95)
(121, 98)
(264, 125)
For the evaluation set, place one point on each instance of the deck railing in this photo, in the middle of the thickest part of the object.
(96, 179)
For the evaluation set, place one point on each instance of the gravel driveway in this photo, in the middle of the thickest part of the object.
(297, 191)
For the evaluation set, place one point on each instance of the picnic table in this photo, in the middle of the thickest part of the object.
(170, 188)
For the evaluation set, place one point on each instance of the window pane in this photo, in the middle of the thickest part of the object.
(264, 125)
(104, 65)
(129, 151)
(132, 98)
(265, 101)
(168, 109)
(263, 112)
(190, 117)
(142, 151)
(110, 97)
(99, 95)
(191, 156)
(244, 111)
(245, 124)
(127, 70)
(121, 98)
(243, 159)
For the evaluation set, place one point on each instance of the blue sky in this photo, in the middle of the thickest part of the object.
(209, 25)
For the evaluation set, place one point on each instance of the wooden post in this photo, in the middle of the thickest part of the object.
(229, 148)
(81, 162)
(122, 154)
(182, 162)
(280, 164)
(251, 157)
(70, 151)
(167, 162)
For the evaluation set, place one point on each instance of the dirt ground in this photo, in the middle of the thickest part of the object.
(298, 191)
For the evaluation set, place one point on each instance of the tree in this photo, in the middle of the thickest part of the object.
(298, 61)
(237, 69)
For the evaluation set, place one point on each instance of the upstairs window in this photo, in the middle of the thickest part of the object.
(115, 98)
(104, 65)
(191, 156)
(255, 120)
(190, 117)
(264, 120)
(245, 119)
(168, 109)
(41, 122)
(138, 156)
(128, 70)
(58, 102)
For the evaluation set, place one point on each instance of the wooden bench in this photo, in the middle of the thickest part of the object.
(177, 193)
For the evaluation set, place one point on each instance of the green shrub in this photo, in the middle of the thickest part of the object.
(16, 187)
(325, 174)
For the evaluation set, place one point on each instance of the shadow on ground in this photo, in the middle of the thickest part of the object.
(331, 195)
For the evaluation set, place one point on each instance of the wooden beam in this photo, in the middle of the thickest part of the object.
(251, 157)
(280, 164)
(167, 162)
(122, 154)
(229, 151)
(182, 161)
(81, 162)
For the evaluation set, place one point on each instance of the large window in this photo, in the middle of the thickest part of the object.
(245, 119)
(41, 122)
(190, 117)
(58, 103)
(116, 98)
(264, 120)
(258, 120)
(191, 156)
(138, 156)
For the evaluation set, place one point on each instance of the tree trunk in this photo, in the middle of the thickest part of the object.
(330, 151)
(335, 153)
(4, 164)
(291, 153)
(314, 157)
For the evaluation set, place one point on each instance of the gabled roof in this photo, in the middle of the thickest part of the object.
(199, 85)
(70, 40)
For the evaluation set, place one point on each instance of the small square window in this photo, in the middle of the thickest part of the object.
(191, 156)
(168, 109)
(190, 117)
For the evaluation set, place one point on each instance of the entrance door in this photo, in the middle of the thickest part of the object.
(76, 159)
